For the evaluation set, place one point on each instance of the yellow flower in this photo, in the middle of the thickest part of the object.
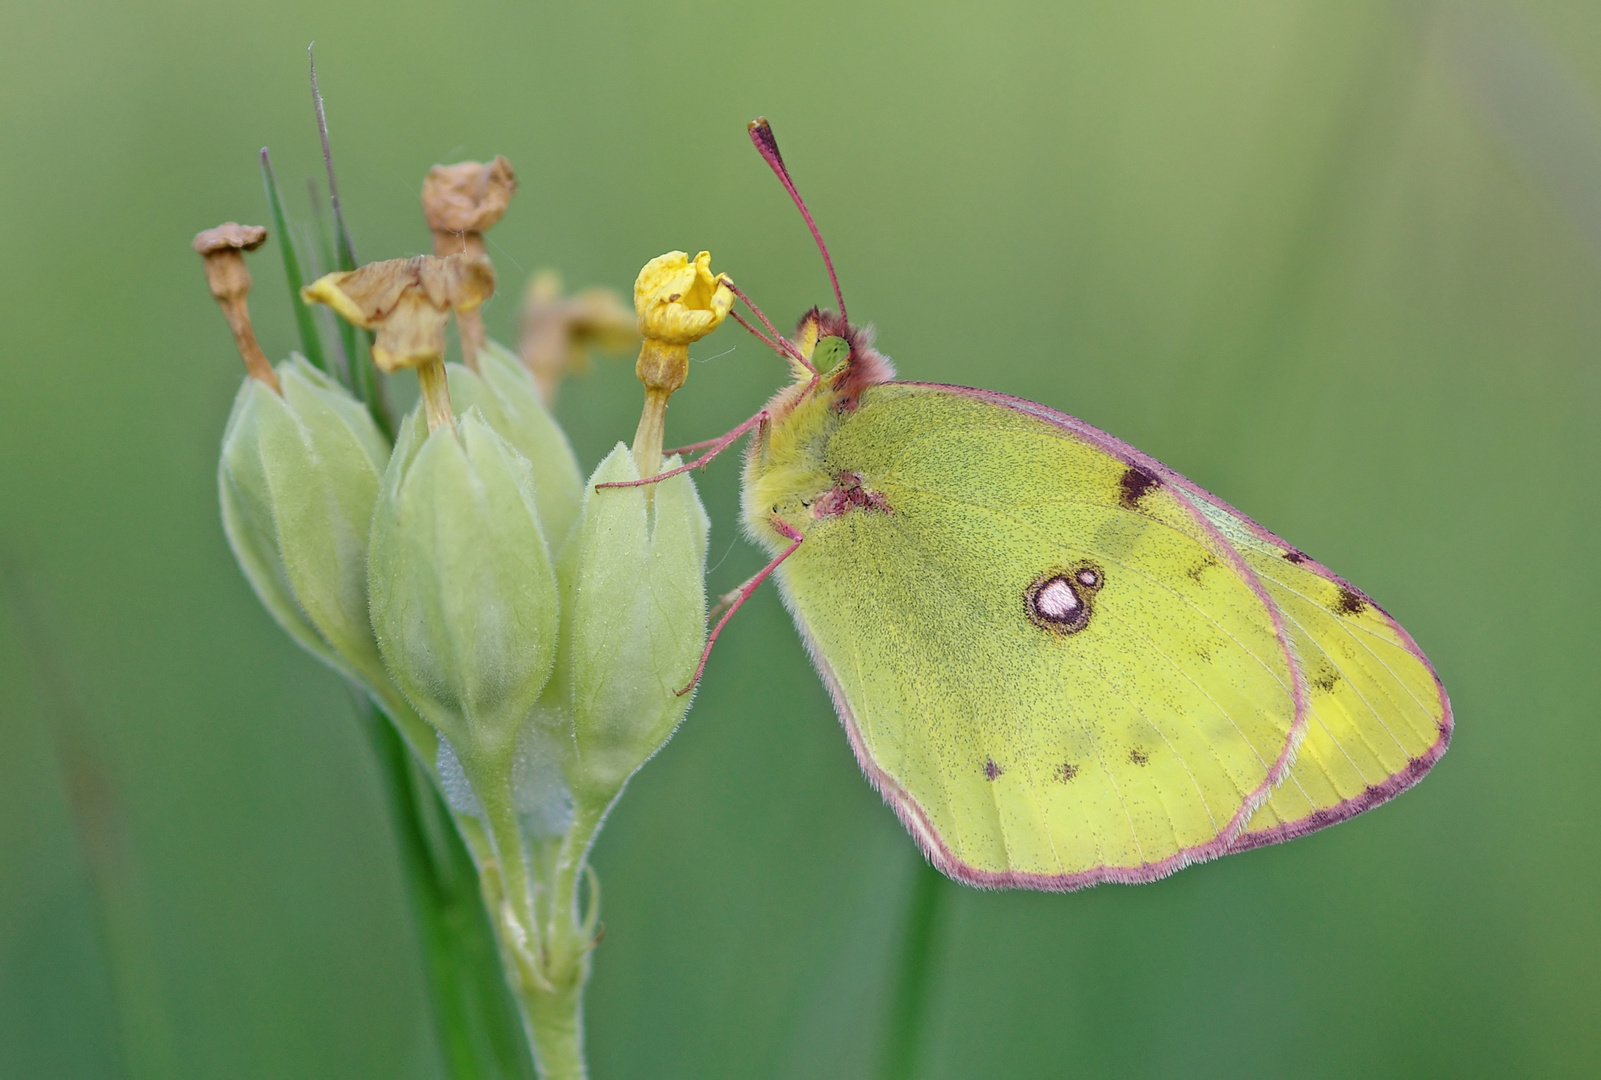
(678, 301)
(407, 301)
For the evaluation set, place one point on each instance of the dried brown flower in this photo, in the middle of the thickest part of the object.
(558, 331)
(230, 236)
(408, 302)
(461, 202)
(223, 249)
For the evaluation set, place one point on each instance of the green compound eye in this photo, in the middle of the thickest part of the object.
(830, 353)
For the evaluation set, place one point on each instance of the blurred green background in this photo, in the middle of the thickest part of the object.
(1339, 261)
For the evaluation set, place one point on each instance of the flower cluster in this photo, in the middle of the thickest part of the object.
(527, 632)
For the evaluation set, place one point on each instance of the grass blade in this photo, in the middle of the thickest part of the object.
(363, 376)
(321, 245)
(310, 342)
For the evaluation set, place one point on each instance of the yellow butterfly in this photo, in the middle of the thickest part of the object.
(1060, 661)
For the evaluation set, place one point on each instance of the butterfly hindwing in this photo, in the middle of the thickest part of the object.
(1052, 662)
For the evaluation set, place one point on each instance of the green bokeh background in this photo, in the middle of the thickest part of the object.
(1336, 260)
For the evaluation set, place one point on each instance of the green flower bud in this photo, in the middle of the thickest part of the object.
(298, 478)
(504, 392)
(461, 591)
(246, 494)
(636, 622)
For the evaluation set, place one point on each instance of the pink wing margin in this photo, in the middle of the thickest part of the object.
(1232, 837)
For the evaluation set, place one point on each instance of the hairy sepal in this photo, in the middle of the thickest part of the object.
(462, 592)
(634, 576)
(504, 392)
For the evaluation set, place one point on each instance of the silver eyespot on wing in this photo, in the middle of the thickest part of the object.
(1063, 600)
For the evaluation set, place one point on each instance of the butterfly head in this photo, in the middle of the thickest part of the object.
(839, 357)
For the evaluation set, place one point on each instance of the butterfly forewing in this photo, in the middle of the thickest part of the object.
(1057, 669)
(1378, 716)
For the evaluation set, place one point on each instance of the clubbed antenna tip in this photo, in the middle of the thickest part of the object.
(761, 133)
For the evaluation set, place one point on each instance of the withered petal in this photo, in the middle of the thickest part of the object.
(459, 281)
(469, 197)
(412, 335)
(230, 235)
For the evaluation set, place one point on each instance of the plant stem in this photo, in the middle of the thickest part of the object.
(556, 1023)
(474, 1016)
(907, 1022)
(434, 387)
(551, 965)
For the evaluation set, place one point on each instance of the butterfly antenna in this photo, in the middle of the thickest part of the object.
(761, 134)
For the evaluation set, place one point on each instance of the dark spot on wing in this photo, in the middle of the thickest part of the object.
(1067, 772)
(1194, 573)
(1133, 486)
(1349, 603)
(1325, 680)
(991, 770)
(1294, 556)
(1139, 757)
(1204, 654)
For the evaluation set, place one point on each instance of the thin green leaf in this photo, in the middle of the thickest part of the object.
(369, 386)
(310, 343)
(344, 340)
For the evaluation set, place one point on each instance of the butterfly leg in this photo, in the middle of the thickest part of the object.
(703, 444)
(741, 594)
(717, 445)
